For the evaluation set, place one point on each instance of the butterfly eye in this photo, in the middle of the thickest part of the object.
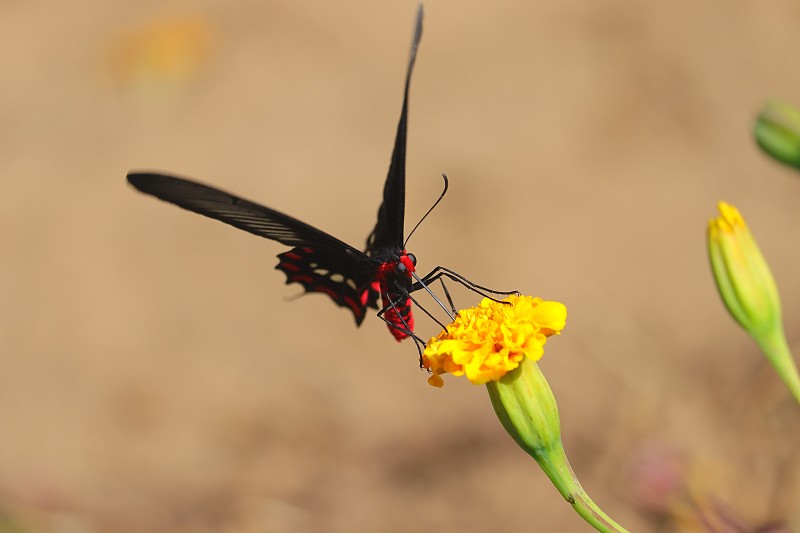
(400, 268)
(412, 258)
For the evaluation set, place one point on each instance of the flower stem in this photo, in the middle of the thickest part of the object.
(557, 467)
(774, 346)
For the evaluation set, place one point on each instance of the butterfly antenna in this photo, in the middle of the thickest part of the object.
(444, 177)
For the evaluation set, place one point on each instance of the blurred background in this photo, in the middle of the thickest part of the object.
(153, 377)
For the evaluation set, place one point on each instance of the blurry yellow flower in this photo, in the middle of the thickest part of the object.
(164, 52)
(486, 342)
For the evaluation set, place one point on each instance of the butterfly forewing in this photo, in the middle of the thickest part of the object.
(243, 214)
(388, 232)
(319, 261)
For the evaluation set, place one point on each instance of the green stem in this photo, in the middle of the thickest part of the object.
(557, 467)
(774, 346)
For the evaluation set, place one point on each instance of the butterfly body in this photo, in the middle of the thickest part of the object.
(392, 274)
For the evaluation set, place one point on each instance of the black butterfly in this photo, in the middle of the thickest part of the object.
(318, 261)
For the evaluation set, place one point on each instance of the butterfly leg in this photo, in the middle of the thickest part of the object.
(407, 294)
(439, 272)
(449, 298)
(405, 328)
(436, 299)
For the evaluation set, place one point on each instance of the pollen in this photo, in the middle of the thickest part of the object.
(484, 343)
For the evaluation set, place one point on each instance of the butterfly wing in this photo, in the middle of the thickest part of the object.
(320, 272)
(388, 232)
(318, 261)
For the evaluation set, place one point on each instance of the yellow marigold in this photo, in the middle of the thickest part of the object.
(486, 342)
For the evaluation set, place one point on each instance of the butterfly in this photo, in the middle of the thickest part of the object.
(353, 279)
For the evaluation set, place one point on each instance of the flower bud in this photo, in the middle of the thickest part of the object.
(748, 290)
(741, 272)
(526, 407)
(777, 132)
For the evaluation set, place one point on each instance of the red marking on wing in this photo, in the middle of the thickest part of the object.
(327, 290)
(290, 266)
(297, 265)
(353, 305)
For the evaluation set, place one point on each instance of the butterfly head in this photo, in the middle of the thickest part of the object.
(406, 264)
(397, 269)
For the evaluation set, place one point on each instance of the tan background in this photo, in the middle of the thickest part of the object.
(153, 379)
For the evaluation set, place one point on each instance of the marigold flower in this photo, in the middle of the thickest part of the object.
(748, 289)
(486, 342)
(498, 344)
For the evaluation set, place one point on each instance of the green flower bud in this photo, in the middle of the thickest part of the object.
(777, 132)
(742, 274)
(527, 409)
(748, 289)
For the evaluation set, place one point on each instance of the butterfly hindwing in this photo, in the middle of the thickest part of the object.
(317, 272)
